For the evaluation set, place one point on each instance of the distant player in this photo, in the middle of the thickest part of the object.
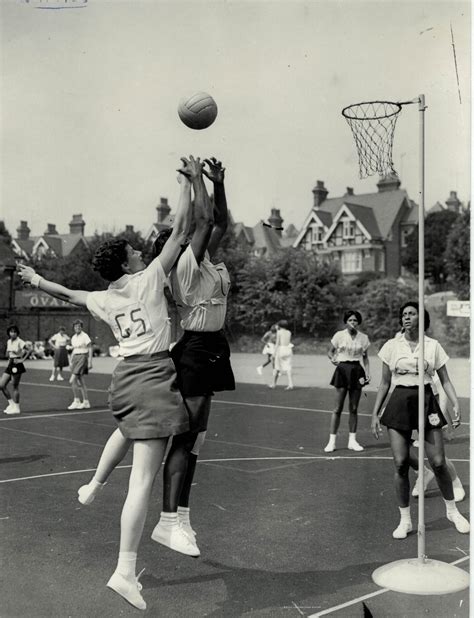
(269, 340)
(59, 342)
(17, 352)
(283, 355)
(81, 362)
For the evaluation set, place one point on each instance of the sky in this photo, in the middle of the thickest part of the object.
(89, 96)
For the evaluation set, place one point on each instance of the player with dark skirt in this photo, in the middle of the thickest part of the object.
(144, 397)
(59, 342)
(347, 351)
(400, 369)
(17, 353)
(202, 358)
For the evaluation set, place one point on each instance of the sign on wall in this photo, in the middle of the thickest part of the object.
(38, 299)
(458, 308)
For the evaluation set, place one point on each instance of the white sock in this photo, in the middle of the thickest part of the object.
(450, 507)
(352, 437)
(405, 515)
(77, 400)
(95, 484)
(183, 515)
(10, 402)
(457, 483)
(127, 564)
(332, 437)
(168, 519)
(86, 401)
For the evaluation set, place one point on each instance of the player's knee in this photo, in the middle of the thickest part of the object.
(198, 443)
(401, 466)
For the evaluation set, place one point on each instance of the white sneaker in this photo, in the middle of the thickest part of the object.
(353, 445)
(51, 379)
(60, 379)
(9, 407)
(75, 405)
(403, 530)
(86, 405)
(13, 409)
(429, 476)
(260, 370)
(330, 447)
(87, 493)
(187, 528)
(128, 589)
(461, 523)
(175, 538)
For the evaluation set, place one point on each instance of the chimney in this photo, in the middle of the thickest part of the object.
(320, 194)
(453, 202)
(51, 230)
(77, 225)
(129, 229)
(389, 183)
(23, 231)
(163, 209)
(276, 220)
(349, 191)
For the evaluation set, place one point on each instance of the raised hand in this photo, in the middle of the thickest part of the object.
(191, 168)
(216, 172)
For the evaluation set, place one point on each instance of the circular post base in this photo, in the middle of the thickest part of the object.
(412, 576)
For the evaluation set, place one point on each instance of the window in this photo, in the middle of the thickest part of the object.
(318, 234)
(382, 261)
(405, 234)
(351, 262)
(348, 228)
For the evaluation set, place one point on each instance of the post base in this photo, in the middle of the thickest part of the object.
(412, 576)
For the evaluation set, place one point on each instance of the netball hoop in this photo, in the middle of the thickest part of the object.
(373, 127)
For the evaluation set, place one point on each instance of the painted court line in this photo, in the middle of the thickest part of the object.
(201, 461)
(336, 608)
(22, 417)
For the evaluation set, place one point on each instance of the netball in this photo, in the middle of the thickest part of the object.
(197, 111)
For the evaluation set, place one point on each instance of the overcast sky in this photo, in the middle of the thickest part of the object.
(89, 97)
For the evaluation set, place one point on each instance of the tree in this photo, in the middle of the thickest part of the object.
(437, 228)
(457, 255)
(4, 233)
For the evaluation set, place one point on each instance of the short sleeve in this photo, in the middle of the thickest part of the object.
(87, 339)
(95, 304)
(440, 356)
(336, 340)
(385, 353)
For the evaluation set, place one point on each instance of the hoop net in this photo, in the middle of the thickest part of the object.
(373, 126)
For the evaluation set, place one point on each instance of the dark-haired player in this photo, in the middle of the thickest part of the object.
(17, 352)
(348, 349)
(144, 397)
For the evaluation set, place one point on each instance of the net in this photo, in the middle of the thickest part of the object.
(373, 126)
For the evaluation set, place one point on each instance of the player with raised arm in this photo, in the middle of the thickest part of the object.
(144, 397)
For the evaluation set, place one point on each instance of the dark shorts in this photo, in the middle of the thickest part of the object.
(145, 399)
(79, 364)
(61, 358)
(349, 374)
(202, 363)
(14, 369)
(401, 411)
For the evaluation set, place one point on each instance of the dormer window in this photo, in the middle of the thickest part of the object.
(318, 234)
(348, 228)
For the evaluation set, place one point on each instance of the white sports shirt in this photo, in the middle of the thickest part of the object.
(15, 348)
(80, 343)
(348, 348)
(200, 292)
(403, 362)
(135, 308)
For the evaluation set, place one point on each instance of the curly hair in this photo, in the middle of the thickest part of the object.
(351, 312)
(109, 257)
(415, 305)
(13, 327)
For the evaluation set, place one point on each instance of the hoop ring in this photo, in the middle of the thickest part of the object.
(354, 105)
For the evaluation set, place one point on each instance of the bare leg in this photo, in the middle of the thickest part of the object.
(336, 415)
(354, 398)
(435, 452)
(400, 443)
(4, 386)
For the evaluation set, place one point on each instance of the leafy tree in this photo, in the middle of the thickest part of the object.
(437, 228)
(4, 233)
(457, 255)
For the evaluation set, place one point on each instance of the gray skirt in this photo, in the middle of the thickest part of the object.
(80, 364)
(144, 397)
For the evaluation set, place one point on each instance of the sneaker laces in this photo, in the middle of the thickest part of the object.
(139, 585)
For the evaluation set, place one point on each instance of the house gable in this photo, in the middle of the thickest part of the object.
(348, 229)
(316, 224)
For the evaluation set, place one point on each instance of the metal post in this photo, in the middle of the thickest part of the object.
(421, 338)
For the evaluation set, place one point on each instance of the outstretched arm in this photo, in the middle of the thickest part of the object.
(190, 169)
(203, 219)
(216, 174)
(76, 297)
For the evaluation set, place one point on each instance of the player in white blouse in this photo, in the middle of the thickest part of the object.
(144, 397)
(348, 349)
(17, 352)
(400, 368)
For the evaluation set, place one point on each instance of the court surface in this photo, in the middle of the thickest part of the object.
(284, 529)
